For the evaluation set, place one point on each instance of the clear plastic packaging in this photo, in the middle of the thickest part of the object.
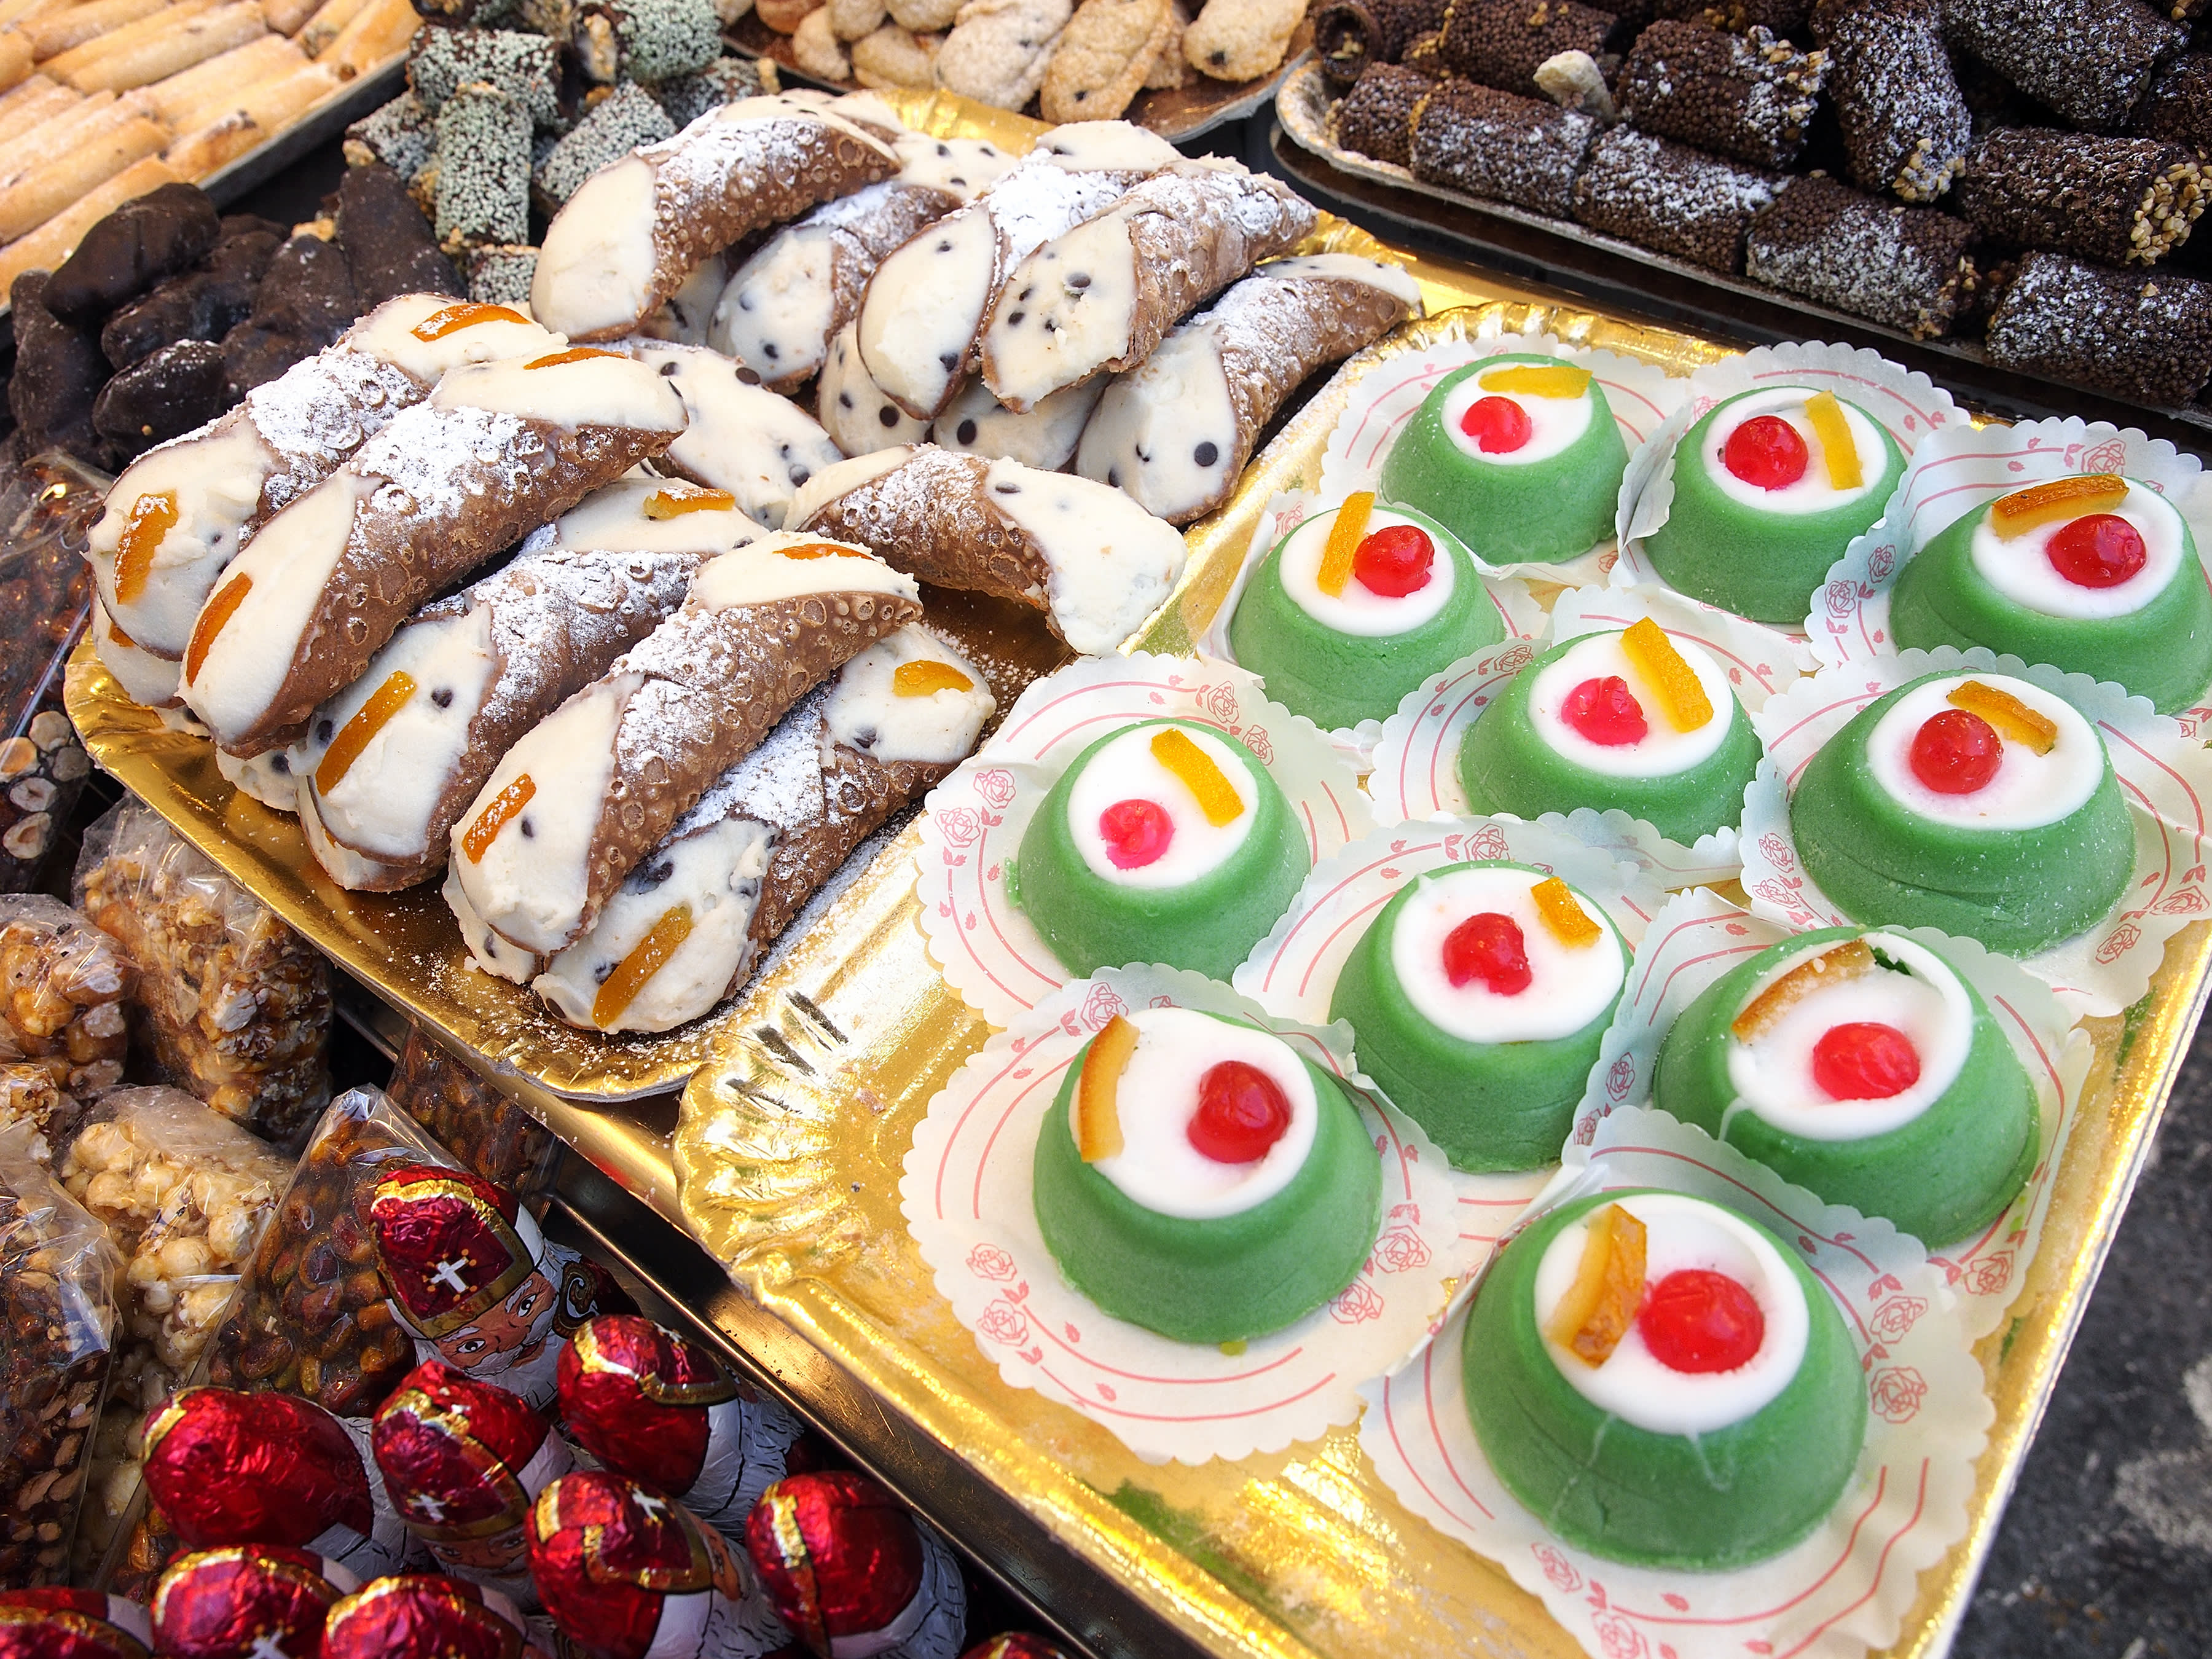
(231, 1004)
(489, 1133)
(67, 986)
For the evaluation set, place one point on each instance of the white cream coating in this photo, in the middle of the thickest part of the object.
(1105, 147)
(1359, 609)
(2029, 790)
(959, 167)
(864, 713)
(841, 478)
(1393, 280)
(216, 478)
(1157, 1098)
(759, 572)
(350, 869)
(1811, 493)
(859, 416)
(2021, 567)
(388, 332)
(687, 316)
(1772, 1073)
(271, 777)
(596, 390)
(488, 952)
(145, 677)
(1066, 311)
(774, 313)
(924, 304)
(1146, 435)
(615, 520)
(1683, 1233)
(1110, 563)
(1126, 769)
(976, 423)
(596, 263)
(1554, 423)
(1663, 750)
(1569, 985)
(741, 438)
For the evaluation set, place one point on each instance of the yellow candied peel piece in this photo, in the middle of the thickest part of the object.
(816, 550)
(1564, 919)
(573, 354)
(476, 839)
(2055, 498)
(1097, 1109)
(1846, 960)
(387, 700)
(1538, 380)
(215, 616)
(1196, 770)
(1840, 451)
(1345, 535)
(1600, 1304)
(925, 676)
(2015, 722)
(153, 516)
(1681, 694)
(451, 319)
(672, 504)
(650, 955)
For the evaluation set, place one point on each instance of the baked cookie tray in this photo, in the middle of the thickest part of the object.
(785, 1156)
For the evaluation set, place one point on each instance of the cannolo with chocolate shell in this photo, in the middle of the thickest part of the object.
(498, 449)
(741, 438)
(575, 805)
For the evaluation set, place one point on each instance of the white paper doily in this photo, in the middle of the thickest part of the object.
(1846, 1588)
(966, 1197)
(989, 950)
(2164, 776)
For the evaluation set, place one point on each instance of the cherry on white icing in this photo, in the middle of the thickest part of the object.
(1359, 608)
(1810, 492)
(1126, 769)
(1554, 423)
(2028, 790)
(1661, 750)
(2023, 569)
(1568, 986)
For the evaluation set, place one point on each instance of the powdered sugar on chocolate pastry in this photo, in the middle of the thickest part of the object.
(740, 438)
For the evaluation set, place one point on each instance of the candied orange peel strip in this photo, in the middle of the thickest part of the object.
(451, 319)
(816, 550)
(1681, 693)
(573, 354)
(1846, 960)
(651, 954)
(153, 516)
(115, 632)
(1097, 1111)
(669, 504)
(2014, 720)
(1600, 1304)
(1345, 535)
(215, 616)
(1563, 917)
(1196, 770)
(476, 839)
(2057, 498)
(1538, 380)
(387, 700)
(925, 676)
(1840, 451)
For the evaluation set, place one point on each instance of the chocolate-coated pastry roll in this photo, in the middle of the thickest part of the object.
(1748, 97)
(2090, 60)
(499, 274)
(2178, 104)
(1783, 16)
(122, 256)
(2119, 201)
(2146, 336)
(401, 134)
(483, 168)
(619, 122)
(1670, 198)
(162, 397)
(202, 304)
(60, 369)
(388, 246)
(1906, 267)
(526, 67)
(647, 40)
(725, 81)
(1490, 143)
(1905, 123)
(1499, 43)
(304, 302)
(1351, 36)
(1375, 117)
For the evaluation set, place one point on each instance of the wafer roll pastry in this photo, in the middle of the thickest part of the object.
(176, 516)
(1099, 298)
(1175, 432)
(740, 438)
(634, 230)
(388, 765)
(687, 928)
(1085, 553)
(498, 448)
(572, 808)
(921, 324)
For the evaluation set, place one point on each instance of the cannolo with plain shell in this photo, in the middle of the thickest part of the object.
(390, 762)
(859, 416)
(921, 320)
(498, 449)
(692, 920)
(1093, 561)
(573, 807)
(741, 438)
(1175, 431)
(633, 231)
(1099, 298)
(176, 516)
(976, 423)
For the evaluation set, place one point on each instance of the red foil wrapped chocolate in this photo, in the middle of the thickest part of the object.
(246, 1601)
(426, 1616)
(56, 1623)
(462, 1461)
(629, 1574)
(852, 1571)
(652, 1405)
(1016, 1644)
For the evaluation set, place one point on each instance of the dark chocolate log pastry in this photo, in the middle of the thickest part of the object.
(525, 66)
(647, 40)
(152, 237)
(2119, 201)
(304, 302)
(1351, 36)
(1500, 43)
(2143, 335)
(1905, 123)
(1748, 97)
(400, 133)
(59, 370)
(1670, 198)
(178, 388)
(1783, 16)
(483, 194)
(1476, 140)
(2178, 104)
(1906, 267)
(388, 246)
(619, 122)
(204, 303)
(1375, 118)
(2090, 60)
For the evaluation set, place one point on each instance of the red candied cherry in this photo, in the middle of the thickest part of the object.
(1489, 947)
(1606, 713)
(1956, 752)
(1865, 1059)
(1242, 1112)
(1137, 832)
(1499, 425)
(1696, 1319)
(2100, 549)
(1767, 452)
(1394, 561)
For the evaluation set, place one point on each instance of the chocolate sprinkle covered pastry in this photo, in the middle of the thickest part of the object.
(2090, 60)
(1905, 123)
(1745, 96)
(1783, 16)
(2178, 104)
(1670, 198)
(1906, 267)
(203, 304)
(1375, 117)
(304, 302)
(144, 240)
(625, 119)
(1500, 43)
(646, 40)
(2120, 201)
(59, 370)
(500, 274)
(387, 241)
(526, 67)
(162, 395)
(483, 168)
(399, 134)
(2142, 335)
(1351, 36)
(1490, 143)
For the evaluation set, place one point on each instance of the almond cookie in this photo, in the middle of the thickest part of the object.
(1241, 40)
(1103, 58)
(816, 48)
(850, 19)
(893, 56)
(1170, 70)
(925, 16)
(784, 16)
(998, 50)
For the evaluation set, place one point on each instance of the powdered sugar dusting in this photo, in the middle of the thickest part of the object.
(318, 412)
